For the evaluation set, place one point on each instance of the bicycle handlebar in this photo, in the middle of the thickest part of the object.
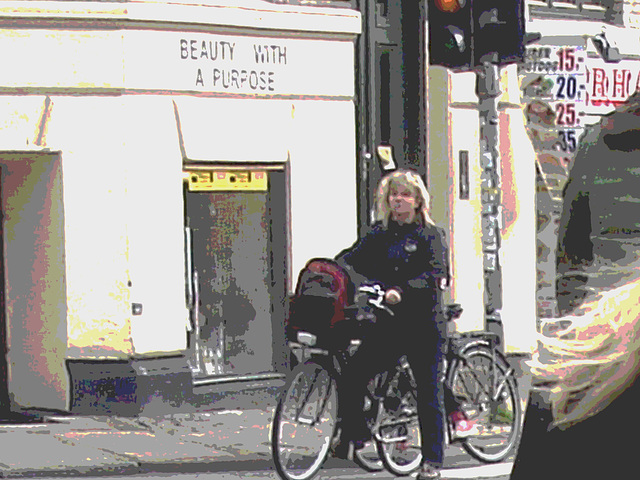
(452, 311)
(379, 293)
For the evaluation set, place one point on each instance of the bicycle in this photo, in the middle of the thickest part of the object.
(480, 382)
(480, 393)
(305, 419)
(482, 403)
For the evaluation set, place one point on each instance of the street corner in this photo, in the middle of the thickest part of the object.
(232, 430)
(198, 441)
(42, 452)
(241, 435)
(146, 449)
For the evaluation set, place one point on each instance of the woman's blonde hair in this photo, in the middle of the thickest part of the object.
(410, 180)
(588, 363)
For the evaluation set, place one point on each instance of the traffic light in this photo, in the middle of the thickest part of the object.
(450, 33)
(498, 31)
(465, 33)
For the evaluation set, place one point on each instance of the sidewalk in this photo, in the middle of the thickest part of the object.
(201, 441)
(228, 439)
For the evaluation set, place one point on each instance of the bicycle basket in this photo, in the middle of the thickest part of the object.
(322, 294)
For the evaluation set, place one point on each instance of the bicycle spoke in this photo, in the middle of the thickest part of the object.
(486, 382)
(503, 381)
(304, 423)
(475, 380)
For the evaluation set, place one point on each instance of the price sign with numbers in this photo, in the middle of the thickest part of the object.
(569, 97)
(556, 77)
(562, 69)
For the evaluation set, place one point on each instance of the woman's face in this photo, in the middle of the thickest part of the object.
(403, 203)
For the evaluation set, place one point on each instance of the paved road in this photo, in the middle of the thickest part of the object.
(333, 470)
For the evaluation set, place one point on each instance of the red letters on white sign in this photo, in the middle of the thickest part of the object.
(610, 85)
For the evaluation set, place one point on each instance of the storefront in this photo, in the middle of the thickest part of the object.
(165, 171)
(584, 66)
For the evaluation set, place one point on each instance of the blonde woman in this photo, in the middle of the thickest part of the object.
(583, 417)
(407, 254)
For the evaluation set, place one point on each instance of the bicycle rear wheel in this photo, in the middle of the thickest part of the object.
(398, 434)
(304, 422)
(491, 403)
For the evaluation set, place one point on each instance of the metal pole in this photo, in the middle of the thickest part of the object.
(488, 91)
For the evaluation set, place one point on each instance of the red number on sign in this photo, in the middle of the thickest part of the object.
(566, 114)
(567, 59)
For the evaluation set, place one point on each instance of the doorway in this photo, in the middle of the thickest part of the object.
(233, 262)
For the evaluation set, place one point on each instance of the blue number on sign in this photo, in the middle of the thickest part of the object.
(568, 141)
(568, 85)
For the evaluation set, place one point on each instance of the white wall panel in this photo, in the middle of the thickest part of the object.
(155, 220)
(323, 180)
(91, 132)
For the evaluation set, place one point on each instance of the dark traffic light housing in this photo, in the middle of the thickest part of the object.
(450, 33)
(498, 31)
(464, 34)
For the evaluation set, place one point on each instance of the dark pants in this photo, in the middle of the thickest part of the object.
(600, 447)
(380, 350)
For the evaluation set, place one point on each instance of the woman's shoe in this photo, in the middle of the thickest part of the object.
(428, 472)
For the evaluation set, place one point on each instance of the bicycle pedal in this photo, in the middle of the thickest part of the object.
(408, 411)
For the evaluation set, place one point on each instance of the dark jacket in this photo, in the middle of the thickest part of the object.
(599, 447)
(411, 257)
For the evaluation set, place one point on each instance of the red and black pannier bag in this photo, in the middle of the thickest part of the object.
(322, 295)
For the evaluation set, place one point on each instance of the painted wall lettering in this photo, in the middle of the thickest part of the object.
(239, 79)
(226, 63)
(212, 50)
(270, 54)
(233, 79)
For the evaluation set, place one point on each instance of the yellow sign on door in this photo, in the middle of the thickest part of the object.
(229, 180)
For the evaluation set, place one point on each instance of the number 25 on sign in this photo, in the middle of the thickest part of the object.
(566, 114)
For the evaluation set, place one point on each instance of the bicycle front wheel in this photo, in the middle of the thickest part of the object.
(487, 392)
(304, 422)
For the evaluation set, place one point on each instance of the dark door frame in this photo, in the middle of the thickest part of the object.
(390, 93)
(5, 406)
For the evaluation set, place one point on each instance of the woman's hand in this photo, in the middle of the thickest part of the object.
(392, 296)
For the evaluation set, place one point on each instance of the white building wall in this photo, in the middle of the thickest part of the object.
(454, 128)
(155, 224)
(91, 139)
(121, 151)
(323, 181)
